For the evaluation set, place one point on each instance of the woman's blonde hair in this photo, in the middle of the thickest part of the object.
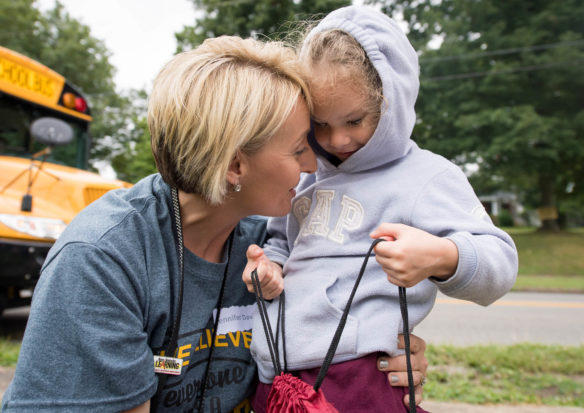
(347, 63)
(225, 96)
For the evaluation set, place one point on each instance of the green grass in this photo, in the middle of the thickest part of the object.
(522, 373)
(551, 283)
(9, 350)
(549, 261)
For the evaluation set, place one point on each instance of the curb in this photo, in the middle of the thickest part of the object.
(450, 407)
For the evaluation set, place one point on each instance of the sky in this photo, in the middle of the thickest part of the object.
(138, 33)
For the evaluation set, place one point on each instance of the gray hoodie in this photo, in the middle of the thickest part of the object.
(323, 241)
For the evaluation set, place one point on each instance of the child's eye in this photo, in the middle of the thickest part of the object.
(355, 122)
(320, 124)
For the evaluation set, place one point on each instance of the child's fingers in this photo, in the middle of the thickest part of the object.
(387, 231)
(254, 253)
(271, 280)
(254, 256)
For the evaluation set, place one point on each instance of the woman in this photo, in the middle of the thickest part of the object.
(141, 272)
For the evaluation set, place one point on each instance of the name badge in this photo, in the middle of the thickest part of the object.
(167, 365)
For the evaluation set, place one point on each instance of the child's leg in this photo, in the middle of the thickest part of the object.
(259, 400)
(357, 386)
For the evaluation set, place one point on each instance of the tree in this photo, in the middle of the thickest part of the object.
(133, 159)
(505, 90)
(270, 18)
(65, 45)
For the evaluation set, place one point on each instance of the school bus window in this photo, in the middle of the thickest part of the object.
(15, 137)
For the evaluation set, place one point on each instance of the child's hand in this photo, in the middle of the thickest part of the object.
(269, 273)
(413, 255)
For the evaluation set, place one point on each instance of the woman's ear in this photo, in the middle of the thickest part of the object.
(235, 170)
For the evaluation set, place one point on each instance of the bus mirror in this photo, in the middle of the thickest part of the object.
(51, 131)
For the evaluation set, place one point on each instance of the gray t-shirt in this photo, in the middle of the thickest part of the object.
(103, 306)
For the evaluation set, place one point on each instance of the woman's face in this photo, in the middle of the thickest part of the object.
(273, 172)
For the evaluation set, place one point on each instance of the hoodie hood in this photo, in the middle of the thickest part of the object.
(396, 61)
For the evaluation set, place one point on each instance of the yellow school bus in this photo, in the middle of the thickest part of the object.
(44, 182)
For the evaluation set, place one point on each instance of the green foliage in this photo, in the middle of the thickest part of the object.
(67, 46)
(269, 18)
(134, 160)
(9, 350)
(504, 90)
(505, 218)
(522, 373)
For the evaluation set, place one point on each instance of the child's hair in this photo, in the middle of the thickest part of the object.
(346, 60)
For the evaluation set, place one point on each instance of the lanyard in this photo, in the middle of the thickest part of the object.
(177, 320)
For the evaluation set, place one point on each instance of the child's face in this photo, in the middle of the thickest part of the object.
(342, 119)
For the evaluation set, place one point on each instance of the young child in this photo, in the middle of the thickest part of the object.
(372, 181)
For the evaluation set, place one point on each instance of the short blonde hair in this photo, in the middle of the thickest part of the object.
(225, 96)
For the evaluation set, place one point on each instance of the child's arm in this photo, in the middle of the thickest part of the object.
(413, 255)
(269, 273)
(482, 266)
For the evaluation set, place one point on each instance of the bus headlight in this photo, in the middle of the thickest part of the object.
(37, 227)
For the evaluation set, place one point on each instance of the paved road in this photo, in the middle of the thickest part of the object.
(518, 317)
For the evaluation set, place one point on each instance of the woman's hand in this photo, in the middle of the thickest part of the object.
(412, 255)
(396, 367)
(269, 273)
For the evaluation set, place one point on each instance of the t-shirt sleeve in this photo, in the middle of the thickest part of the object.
(85, 347)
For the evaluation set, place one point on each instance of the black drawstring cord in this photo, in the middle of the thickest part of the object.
(266, 322)
(205, 380)
(403, 304)
(337, 337)
(272, 344)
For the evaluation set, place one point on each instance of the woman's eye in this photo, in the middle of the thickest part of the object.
(355, 122)
(300, 151)
(320, 124)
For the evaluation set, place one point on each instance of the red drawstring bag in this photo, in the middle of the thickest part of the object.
(289, 394)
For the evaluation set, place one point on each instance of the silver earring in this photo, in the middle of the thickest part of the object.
(237, 187)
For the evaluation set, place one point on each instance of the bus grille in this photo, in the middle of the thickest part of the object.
(92, 193)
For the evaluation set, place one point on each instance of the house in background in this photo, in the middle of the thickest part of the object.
(504, 208)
